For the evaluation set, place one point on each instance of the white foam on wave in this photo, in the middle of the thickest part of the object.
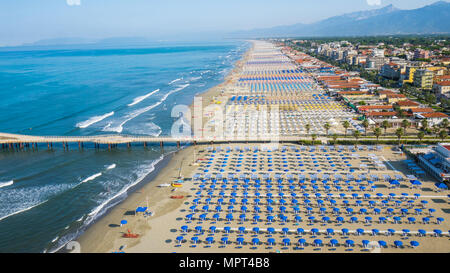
(96, 210)
(110, 167)
(22, 210)
(93, 120)
(19, 200)
(141, 98)
(105, 205)
(134, 114)
(6, 184)
(195, 78)
(174, 81)
(92, 177)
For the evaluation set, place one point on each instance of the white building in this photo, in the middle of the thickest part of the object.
(437, 163)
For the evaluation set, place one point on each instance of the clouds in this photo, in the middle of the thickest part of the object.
(374, 2)
(73, 2)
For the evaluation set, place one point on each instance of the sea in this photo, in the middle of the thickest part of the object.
(49, 197)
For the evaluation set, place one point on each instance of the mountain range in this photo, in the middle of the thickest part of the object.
(389, 20)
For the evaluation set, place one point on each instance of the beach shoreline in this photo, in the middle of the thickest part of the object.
(103, 225)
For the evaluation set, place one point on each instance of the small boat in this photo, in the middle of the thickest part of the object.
(163, 185)
(177, 185)
(177, 196)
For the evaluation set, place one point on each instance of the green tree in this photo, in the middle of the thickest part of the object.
(443, 135)
(424, 124)
(405, 124)
(365, 124)
(399, 133)
(436, 130)
(327, 127)
(385, 124)
(313, 137)
(420, 135)
(346, 125)
(444, 124)
(335, 137)
(356, 135)
(377, 132)
(308, 128)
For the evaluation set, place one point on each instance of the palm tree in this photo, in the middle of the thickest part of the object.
(313, 137)
(377, 132)
(346, 125)
(399, 133)
(444, 124)
(335, 137)
(420, 136)
(327, 127)
(436, 130)
(308, 127)
(365, 124)
(424, 124)
(356, 135)
(443, 135)
(406, 124)
(385, 124)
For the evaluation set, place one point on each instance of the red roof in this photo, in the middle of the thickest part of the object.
(435, 115)
(422, 110)
(396, 96)
(407, 103)
(374, 107)
(443, 83)
(381, 114)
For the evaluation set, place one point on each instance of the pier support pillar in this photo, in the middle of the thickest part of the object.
(178, 145)
(128, 145)
(145, 144)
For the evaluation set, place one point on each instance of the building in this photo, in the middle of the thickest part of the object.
(442, 88)
(378, 52)
(421, 54)
(375, 62)
(394, 98)
(407, 104)
(434, 118)
(423, 78)
(437, 162)
(409, 74)
(391, 71)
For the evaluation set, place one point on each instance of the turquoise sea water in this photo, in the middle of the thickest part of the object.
(47, 198)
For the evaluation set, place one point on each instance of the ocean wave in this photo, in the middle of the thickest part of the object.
(149, 169)
(134, 114)
(93, 120)
(22, 210)
(141, 98)
(6, 184)
(195, 78)
(110, 167)
(19, 200)
(92, 177)
(174, 81)
(105, 205)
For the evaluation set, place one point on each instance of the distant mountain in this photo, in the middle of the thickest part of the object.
(60, 41)
(429, 19)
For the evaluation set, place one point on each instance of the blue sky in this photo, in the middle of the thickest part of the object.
(23, 21)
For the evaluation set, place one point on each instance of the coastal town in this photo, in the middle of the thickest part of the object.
(243, 130)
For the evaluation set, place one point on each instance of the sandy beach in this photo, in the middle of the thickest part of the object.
(298, 197)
